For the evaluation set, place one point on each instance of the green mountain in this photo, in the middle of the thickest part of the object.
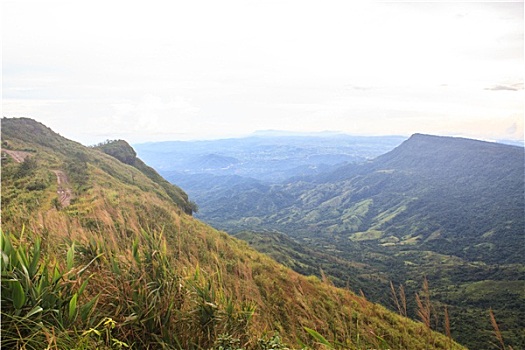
(437, 193)
(451, 209)
(98, 252)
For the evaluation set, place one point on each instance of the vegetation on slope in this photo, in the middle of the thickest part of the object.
(436, 193)
(121, 150)
(123, 266)
(467, 291)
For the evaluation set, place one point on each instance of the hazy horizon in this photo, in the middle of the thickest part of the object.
(207, 70)
(322, 133)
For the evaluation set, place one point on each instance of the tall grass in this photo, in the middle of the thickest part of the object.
(137, 293)
(497, 332)
(40, 298)
(447, 326)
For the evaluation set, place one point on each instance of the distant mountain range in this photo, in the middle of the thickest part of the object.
(267, 156)
(436, 178)
(431, 192)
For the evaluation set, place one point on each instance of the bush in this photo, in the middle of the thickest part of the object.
(36, 186)
(26, 168)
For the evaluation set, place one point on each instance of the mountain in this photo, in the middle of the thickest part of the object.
(437, 193)
(448, 208)
(213, 162)
(98, 253)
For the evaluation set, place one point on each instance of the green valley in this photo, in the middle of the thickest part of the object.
(448, 209)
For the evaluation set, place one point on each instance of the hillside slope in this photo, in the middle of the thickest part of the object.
(121, 150)
(121, 264)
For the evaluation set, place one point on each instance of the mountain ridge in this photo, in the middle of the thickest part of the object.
(427, 152)
(123, 151)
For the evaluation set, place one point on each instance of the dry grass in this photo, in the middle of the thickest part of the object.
(497, 332)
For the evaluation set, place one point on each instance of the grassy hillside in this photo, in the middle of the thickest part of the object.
(121, 150)
(468, 291)
(119, 264)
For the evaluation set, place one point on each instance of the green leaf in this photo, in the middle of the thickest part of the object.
(34, 311)
(39, 286)
(19, 296)
(319, 338)
(5, 258)
(6, 245)
(22, 261)
(70, 256)
(73, 307)
(56, 274)
(86, 309)
(83, 286)
(33, 267)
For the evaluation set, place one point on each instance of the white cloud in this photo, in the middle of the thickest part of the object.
(204, 68)
(149, 117)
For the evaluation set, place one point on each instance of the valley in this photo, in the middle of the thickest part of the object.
(448, 209)
(268, 157)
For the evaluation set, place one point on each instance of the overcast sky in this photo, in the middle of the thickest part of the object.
(178, 70)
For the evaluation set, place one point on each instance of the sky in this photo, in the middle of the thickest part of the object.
(185, 70)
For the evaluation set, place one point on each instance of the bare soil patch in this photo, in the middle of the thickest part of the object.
(18, 156)
(65, 194)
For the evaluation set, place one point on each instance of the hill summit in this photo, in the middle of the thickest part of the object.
(432, 153)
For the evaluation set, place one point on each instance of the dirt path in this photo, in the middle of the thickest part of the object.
(65, 194)
(18, 156)
(64, 191)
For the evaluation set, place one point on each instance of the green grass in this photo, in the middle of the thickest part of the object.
(366, 236)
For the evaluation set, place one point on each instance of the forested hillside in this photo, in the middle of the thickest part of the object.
(97, 253)
(451, 209)
(443, 194)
